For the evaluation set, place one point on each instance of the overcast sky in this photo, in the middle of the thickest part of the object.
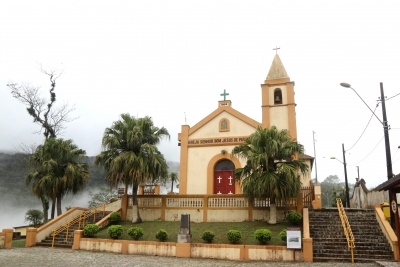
(171, 60)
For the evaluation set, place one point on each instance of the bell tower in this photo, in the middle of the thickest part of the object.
(277, 92)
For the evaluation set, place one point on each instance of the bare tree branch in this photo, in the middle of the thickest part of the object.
(44, 113)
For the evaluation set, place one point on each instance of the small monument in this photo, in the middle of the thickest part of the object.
(184, 235)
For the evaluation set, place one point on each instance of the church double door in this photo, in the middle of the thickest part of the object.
(224, 182)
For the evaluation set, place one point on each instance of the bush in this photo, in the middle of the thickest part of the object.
(135, 232)
(208, 236)
(283, 235)
(90, 230)
(234, 236)
(115, 217)
(263, 235)
(294, 217)
(162, 235)
(115, 231)
(113, 199)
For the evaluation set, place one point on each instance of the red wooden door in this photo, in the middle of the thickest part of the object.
(224, 183)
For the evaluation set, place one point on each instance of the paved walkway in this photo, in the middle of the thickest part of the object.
(49, 257)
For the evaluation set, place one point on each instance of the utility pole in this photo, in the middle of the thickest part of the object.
(315, 160)
(359, 187)
(345, 178)
(392, 195)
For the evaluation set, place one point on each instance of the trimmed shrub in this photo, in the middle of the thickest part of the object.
(90, 230)
(135, 232)
(113, 199)
(294, 217)
(283, 235)
(115, 217)
(208, 236)
(263, 235)
(115, 231)
(162, 235)
(234, 236)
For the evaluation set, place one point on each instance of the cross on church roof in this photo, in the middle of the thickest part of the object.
(224, 94)
(276, 49)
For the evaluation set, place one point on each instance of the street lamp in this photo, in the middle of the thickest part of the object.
(345, 177)
(387, 144)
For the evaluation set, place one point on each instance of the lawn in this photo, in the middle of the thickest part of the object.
(220, 230)
(19, 243)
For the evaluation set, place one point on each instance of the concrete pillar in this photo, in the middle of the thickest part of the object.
(183, 250)
(300, 203)
(308, 249)
(78, 234)
(317, 202)
(30, 240)
(8, 233)
(124, 207)
(157, 189)
(141, 190)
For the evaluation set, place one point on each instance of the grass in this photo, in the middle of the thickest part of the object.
(220, 230)
(18, 243)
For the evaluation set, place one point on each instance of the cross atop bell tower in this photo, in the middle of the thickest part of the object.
(278, 106)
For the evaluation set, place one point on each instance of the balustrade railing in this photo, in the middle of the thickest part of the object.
(203, 201)
(346, 228)
(185, 202)
(79, 219)
(227, 202)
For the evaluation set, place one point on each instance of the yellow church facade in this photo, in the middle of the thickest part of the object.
(206, 165)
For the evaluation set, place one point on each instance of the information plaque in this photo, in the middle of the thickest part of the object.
(293, 237)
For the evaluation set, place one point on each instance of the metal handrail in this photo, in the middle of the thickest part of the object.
(81, 218)
(346, 227)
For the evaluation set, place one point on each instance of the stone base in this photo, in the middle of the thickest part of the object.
(184, 238)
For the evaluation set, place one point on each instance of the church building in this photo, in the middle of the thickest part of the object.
(206, 164)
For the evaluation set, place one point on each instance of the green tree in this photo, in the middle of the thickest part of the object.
(103, 196)
(332, 188)
(34, 217)
(58, 171)
(272, 166)
(173, 177)
(130, 155)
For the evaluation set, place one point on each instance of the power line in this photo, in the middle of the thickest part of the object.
(364, 129)
(392, 97)
(368, 153)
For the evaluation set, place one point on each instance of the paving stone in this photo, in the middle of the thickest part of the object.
(49, 257)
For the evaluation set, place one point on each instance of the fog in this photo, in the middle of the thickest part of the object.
(14, 216)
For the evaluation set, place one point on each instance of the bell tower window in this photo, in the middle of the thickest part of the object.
(278, 97)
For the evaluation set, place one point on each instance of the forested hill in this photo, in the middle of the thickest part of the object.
(13, 191)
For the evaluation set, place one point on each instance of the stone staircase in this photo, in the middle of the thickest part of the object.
(60, 239)
(330, 243)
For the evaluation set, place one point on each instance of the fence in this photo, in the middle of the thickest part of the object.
(203, 208)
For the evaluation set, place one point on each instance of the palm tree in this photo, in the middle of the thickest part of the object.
(130, 154)
(173, 176)
(272, 167)
(39, 192)
(58, 171)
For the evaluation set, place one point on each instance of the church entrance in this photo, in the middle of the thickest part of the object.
(224, 181)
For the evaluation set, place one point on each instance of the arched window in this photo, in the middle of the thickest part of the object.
(224, 125)
(277, 96)
(224, 165)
